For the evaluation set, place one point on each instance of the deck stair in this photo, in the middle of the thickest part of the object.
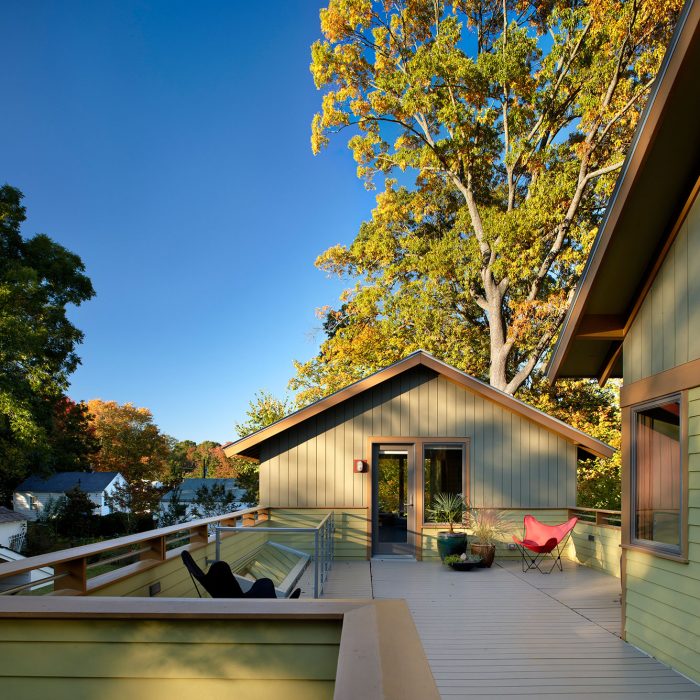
(284, 565)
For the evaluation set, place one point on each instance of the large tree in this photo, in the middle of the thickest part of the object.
(498, 129)
(39, 280)
(132, 444)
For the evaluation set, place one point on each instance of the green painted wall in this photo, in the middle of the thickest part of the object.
(175, 581)
(603, 553)
(168, 659)
(663, 596)
(350, 530)
(513, 463)
(665, 332)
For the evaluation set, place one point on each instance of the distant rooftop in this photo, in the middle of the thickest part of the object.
(89, 482)
(9, 516)
(188, 488)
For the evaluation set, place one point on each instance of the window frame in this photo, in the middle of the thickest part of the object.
(667, 551)
(437, 442)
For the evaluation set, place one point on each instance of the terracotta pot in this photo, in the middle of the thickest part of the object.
(486, 551)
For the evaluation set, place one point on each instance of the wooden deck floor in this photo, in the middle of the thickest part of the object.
(496, 632)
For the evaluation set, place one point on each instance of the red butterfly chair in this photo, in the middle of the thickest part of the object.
(541, 540)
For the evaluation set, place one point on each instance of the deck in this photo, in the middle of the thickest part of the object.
(497, 632)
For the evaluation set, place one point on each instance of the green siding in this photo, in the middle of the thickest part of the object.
(603, 553)
(513, 463)
(350, 530)
(169, 659)
(175, 581)
(663, 596)
(664, 334)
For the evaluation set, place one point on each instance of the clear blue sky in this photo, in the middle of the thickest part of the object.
(167, 143)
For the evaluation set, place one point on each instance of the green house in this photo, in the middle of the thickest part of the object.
(636, 315)
(376, 452)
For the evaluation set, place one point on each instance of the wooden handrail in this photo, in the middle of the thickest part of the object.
(597, 516)
(148, 547)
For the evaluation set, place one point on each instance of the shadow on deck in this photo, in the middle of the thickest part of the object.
(501, 633)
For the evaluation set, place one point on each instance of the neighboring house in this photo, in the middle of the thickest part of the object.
(32, 495)
(380, 449)
(636, 315)
(188, 492)
(13, 526)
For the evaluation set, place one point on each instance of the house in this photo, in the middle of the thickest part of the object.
(32, 495)
(636, 315)
(379, 450)
(12, 528)
(188, 492)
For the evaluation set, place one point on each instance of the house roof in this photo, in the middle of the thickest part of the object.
(250, 446)
(90, 482)
(10, 516)
(656, 187)
(188, 487)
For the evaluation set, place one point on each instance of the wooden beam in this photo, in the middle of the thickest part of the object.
(601, 327)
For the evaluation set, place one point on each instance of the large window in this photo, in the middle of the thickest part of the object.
(443, 470)
(657, 476)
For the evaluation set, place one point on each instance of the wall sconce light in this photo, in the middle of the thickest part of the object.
(359, 466)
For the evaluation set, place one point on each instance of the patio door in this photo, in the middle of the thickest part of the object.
(392, 499)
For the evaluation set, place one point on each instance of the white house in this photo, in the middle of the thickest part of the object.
(32, 495)
(12, 527)
(188, 492)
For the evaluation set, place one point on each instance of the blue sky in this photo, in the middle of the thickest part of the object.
(167, 143)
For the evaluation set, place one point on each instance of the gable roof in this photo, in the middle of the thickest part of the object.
(188, 487)
(89, 482)
(250, 446)
(656, 187)
(11, 516)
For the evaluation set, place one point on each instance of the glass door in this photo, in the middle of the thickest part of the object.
(392, 502)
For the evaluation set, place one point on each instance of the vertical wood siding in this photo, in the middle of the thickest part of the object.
(663, 596)
(514, 463)
(665, 332)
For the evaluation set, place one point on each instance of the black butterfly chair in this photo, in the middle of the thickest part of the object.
(219, 581)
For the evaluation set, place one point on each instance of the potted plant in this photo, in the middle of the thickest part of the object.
(463, 562)
(448, 508)
(488, 526)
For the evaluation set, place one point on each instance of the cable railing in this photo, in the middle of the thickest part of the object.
(597, 516)
(323, 544)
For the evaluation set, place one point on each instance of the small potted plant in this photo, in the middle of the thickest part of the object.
(448, 508)
(488, 526)
(463, 562)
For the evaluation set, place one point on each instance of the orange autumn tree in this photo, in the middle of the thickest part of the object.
(132, 444)
(495, 131)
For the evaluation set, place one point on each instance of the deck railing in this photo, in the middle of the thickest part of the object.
(597, 516)
(83, 570)
(323, 535)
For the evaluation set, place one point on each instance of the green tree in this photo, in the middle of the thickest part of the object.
(176, 510)
(212, 500)
(39, 280)
(498, 129)
(263, 410)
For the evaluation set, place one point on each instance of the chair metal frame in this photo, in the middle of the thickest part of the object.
(533, 554)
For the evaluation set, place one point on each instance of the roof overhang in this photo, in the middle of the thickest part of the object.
(656, 187)
(249, 447)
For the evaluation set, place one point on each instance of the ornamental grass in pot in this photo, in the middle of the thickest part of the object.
(448, 508)
(488, 526)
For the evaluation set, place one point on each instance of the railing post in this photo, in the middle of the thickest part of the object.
(218, 543)
(316, 563)
(74, 576)
(248, 520)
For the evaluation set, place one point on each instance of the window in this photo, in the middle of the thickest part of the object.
(657, 476)
(32, 503)
(443, 471)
